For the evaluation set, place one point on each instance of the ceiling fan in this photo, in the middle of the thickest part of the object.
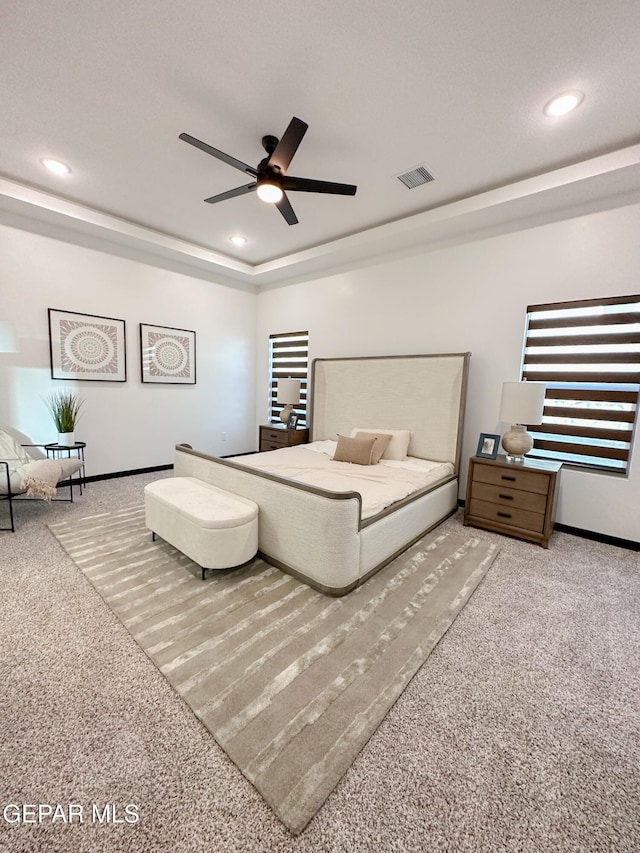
(271, 181)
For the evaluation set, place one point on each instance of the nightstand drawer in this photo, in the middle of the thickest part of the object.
(512, 477)
(531, 521)
(270, 445)
(531, 501)
(274, 436)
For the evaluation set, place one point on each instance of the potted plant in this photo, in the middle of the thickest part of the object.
(65, 409)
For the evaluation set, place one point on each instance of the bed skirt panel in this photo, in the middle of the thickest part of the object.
(381, 540)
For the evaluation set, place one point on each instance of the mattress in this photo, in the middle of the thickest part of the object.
(379, 485)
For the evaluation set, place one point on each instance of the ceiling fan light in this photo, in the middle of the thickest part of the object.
(269, 192)
(563, 104)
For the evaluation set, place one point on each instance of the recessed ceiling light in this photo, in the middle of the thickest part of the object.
(55, 166)
(563, 104)
(238, 239)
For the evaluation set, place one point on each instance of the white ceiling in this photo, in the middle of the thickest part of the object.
(108, 85)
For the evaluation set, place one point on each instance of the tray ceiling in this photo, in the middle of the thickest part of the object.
(455, 89)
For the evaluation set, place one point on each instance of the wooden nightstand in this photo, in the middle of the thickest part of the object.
(516, 498)
(274, 436)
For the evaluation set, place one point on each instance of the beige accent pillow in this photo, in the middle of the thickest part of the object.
(397, 448)
(382, 441)
(356, 450)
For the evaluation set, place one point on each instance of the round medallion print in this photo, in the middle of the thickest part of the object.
(88, 347)
(169, 356)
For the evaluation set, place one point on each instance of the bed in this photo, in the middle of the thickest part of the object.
(335, 533)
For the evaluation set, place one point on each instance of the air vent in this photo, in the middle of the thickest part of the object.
(415, 177)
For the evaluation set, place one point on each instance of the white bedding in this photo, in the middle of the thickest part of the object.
(379, 485)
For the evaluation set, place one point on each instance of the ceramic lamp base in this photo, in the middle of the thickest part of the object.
(517, 442)
(284, 414)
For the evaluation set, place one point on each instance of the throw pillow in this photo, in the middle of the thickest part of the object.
(356, 450)
(382, 441)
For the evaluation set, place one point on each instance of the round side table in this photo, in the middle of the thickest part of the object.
(54, 450)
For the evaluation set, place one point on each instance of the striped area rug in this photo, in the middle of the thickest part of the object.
(290, 683)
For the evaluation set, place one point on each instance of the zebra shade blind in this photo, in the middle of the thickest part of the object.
(588, 353)
(288, 357)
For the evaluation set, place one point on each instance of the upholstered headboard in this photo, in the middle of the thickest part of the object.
(422, 393)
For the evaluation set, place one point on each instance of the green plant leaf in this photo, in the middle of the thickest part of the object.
(65, 409)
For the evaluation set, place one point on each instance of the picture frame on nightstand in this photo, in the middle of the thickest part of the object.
(292, 420)
(488, 446)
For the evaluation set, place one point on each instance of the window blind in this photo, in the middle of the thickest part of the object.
(288, 357)
(588, 353)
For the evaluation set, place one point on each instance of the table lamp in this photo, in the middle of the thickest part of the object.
(289, 394)
(522, 403)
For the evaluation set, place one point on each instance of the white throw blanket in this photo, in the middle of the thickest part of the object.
(41, 477)
(37, 477)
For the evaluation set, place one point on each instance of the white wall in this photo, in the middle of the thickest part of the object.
(474, 297)
(468, 297)
(126, 425)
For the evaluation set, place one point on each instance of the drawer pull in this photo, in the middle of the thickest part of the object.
(505, 477)
(504, 514)
(506, 497)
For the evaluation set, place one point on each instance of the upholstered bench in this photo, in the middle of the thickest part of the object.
(214, 528)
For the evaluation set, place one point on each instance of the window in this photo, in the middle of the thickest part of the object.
(288, 358)
(588, 353)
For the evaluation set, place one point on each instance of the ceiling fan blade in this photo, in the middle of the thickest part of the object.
(284, 206)
(220, 155)
(232, 193)
(308, 185)
(288, 145)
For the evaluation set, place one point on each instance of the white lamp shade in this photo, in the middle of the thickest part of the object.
(522, 402)
(288, 391)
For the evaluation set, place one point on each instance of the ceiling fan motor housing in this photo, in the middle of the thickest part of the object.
(269, 174)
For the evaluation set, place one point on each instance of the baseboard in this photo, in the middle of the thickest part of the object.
(599, 537)
(96, 477)
(630, 544)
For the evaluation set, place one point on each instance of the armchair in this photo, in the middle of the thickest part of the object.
(26, 470)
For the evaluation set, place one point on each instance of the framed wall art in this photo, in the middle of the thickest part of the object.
(167, 355)
(85, 346)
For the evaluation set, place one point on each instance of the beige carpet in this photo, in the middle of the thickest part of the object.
(291, 683)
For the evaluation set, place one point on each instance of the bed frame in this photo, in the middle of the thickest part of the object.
(318, 535)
